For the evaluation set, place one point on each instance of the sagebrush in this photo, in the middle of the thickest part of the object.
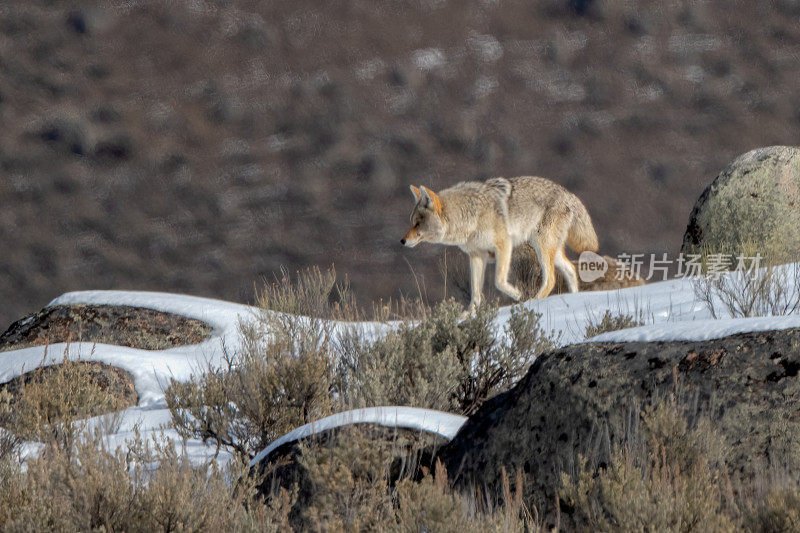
(293, 369)
(353, 483)
(440, 362)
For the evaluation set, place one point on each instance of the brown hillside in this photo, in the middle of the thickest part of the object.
(198, 146)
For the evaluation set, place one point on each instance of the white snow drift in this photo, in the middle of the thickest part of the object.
(669, 308)
(427, 420)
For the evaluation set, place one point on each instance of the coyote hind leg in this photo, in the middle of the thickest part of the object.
(503, 255)
(546, 263)
(549, 248)
(567, 269)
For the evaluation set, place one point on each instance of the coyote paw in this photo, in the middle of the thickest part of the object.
(468, 313)
(511, 291)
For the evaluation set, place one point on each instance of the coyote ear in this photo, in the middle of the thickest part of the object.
(430, 199)
(415, 192)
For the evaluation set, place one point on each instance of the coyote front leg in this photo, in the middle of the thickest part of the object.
(503, 255)
(477, 266)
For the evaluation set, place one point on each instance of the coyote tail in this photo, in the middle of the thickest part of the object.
(581, 236)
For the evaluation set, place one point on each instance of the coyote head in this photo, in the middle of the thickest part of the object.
(427, 224)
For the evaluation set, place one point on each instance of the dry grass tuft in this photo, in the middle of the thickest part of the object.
(92, 488)
(611, 322)
(76, 483)
(670, 475)
(314, 293)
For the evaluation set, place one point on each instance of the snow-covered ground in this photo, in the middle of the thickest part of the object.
(669, 309)
(151, 369)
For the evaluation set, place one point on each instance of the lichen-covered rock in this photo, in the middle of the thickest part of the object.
(755, 201)
(135, 327)
(582, 399)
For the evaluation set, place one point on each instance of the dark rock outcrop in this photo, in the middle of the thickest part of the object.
(580, 399)
(135, 327)
(407, 449)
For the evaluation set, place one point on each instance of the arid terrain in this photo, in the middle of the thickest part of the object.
(199, 146)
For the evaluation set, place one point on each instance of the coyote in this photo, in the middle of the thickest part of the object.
(487, 220)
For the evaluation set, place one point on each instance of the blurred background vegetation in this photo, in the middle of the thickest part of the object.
(198, 146)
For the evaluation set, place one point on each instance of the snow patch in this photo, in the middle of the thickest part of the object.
(699, 330)
(428, 420)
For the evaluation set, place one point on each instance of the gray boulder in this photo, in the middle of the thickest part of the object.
(755, 200)
(582, 399)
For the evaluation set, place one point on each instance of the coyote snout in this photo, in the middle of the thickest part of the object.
(411, 239)
(487, 220)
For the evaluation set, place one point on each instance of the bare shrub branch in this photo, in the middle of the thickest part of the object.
(773, 290)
